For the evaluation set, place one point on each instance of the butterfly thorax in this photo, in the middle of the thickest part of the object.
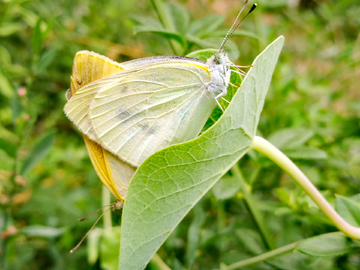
(219, 67)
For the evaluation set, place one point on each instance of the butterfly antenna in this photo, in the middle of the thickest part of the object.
(82, 219)
(92, 227)
(236, 23)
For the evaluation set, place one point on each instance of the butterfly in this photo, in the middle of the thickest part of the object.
(128, 111)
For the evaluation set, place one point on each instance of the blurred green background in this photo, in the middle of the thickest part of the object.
(312, 113)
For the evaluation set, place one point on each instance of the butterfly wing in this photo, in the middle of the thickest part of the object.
(151, 108)
(113, 172)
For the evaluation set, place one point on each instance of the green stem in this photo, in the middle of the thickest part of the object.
(266, 148)
(254, 210)
(159, 263)
(262, 257)
(167, 24)
(106, 201)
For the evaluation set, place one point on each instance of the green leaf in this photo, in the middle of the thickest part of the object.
(226, 188)
(290, 137)
(92, 245)
(6, 86)
(180, 17)
(283, 195)
(251, 240)
(348, 209)
(241, 33)
(147, 22)
(193, 238)
(5, 56)
(8, 147)
(8, 29)
(305, 152)
(109, 248)
(332, 244)
(37, 38)
(245, 33)
(38, 152)
(42, 231)
(214, 42)
(272, 4)
(45, 60)
(16, 107)
(205, 25)
(165, 33)
(202, 54)
(170, 182)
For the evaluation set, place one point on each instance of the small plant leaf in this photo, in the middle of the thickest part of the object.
(147, 22)
(38, 152)
(331, 244)
(43, 231)
(180, 17)
(202, 54)
(37, 38)
(348, 209)
(8, 147)
(226, 188)
(7, 88)
(167, 34)
(46, 59)
(193, 238)
(283, 195)
(170, 182)
(109, 246)
(205, 25)
(251, 240)
(92, 245)
(8, 29)
(290, 137)
(213, 42)
(304, 152)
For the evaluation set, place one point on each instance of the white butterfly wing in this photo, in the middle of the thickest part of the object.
(77, 107)
(151, 108)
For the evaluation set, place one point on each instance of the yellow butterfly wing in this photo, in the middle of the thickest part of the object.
(113, 172)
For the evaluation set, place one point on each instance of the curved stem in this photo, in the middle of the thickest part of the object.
(262, 257)
(266, 148)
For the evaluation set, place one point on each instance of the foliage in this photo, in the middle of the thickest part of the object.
(311, 113)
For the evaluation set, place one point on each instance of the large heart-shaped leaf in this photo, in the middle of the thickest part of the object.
(170, 182)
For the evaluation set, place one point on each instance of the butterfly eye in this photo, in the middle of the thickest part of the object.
(218, 58)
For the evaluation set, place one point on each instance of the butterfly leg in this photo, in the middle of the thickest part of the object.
(218, 103)
(225, 100)
(237, 86)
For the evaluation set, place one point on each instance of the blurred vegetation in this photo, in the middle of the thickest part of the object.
(312, 113)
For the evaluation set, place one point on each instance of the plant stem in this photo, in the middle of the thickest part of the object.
(266, 148)
(262, 257)
(158, 262)
(167, 24)
(254, 210)
(106, 201)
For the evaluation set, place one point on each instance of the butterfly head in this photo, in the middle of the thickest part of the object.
(219, 64)
(219, 67)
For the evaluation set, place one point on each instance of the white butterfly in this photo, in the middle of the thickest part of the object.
(144, 105)
(153, 103)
